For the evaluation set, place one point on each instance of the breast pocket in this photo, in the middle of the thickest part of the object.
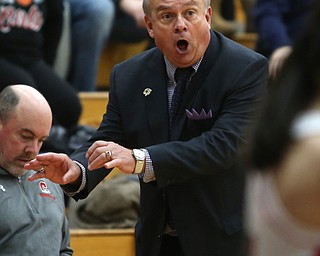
(197, 127)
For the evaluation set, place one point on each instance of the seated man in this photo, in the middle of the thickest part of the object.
(34, 212)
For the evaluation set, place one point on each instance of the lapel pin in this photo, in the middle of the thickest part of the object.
(2, 188)
(147, 92)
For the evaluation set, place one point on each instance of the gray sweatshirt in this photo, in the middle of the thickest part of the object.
(32, 217)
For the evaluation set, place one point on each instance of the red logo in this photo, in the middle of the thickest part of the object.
(43, 187)
(45, 191)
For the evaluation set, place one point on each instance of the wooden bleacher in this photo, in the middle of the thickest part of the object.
(246, 39)
(93, 107)
(103, 242)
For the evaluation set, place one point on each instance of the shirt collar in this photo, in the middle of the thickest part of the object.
(172, 68)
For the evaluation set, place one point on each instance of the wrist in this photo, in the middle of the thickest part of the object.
(140, 160)
(82, 178)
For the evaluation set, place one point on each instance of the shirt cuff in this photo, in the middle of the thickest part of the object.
(148, 174)
(69, 190)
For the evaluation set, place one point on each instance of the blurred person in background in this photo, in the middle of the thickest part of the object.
(278, 25)
(283, 206)
(29, 37)
(91, 25)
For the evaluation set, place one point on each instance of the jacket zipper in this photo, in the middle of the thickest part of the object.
(29, 201)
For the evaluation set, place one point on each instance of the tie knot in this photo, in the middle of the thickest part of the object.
(182, 74)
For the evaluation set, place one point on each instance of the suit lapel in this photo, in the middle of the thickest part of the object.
(156, 102)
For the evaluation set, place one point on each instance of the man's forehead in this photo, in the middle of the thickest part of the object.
(167, 3)
(26, 123)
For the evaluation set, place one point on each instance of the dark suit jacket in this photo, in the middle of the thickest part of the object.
(196, 175)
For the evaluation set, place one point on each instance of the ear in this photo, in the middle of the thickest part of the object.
(208, 16)
(149, 26)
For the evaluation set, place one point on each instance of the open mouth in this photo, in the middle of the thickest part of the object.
(182, 45)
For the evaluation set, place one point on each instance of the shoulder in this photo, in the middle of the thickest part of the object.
(229, 56)
(236, 51)
(145, 63)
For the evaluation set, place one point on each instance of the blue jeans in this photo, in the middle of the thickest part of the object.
(91, 25)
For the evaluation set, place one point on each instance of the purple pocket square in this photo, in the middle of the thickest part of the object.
(194, 115)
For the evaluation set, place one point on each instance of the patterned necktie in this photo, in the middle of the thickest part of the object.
(181, 76)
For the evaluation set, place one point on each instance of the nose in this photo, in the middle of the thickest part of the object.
(180, 25)
(33, 147)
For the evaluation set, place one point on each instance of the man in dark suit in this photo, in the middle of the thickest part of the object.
(191, 189)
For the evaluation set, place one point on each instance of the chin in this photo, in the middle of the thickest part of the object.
(16, 171)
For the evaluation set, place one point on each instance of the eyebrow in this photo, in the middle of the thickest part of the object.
(32, 133)
(165, 7)
(27, 130)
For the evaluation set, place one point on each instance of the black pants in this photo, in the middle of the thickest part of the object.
(171, 246)
(237, 246)
(62, 98)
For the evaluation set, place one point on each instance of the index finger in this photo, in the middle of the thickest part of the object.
(94, 146)
(41, 160)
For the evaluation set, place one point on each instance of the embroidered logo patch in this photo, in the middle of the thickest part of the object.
(43, 187)
(45, 190)
(2, 188)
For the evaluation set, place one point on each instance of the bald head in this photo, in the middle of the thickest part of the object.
(25, 122)
(22, 97)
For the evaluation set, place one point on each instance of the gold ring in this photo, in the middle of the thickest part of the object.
(41, 169)
(108, 154)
